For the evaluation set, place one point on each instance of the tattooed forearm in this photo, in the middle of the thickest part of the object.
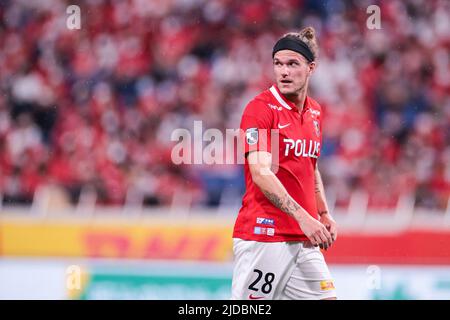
(287, 204)
(318, 182)
(316, 185)
(322, 207)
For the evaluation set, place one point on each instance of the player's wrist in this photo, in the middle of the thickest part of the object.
(302, 215)
(326, 216)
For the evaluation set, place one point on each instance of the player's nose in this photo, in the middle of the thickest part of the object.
(285, 71)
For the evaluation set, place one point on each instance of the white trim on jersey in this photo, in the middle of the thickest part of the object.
(279, 99)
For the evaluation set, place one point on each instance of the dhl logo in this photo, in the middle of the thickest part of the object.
(206, 242)
(158, 246)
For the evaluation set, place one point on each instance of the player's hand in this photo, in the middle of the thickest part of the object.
(331, 225)
(316, 232)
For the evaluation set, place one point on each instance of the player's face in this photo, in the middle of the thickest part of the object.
(292, 71)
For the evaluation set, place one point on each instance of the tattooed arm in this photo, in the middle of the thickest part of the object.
(259, 164)
(321, 201)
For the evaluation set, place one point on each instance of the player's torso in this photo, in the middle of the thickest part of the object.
(298, 134)
(297, 138)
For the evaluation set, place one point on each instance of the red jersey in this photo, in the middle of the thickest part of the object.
(272, 122)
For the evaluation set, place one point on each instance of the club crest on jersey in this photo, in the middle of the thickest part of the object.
(251, 135)
(316, 127)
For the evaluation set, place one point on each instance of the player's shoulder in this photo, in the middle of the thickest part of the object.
(263, 97)
(263, 103)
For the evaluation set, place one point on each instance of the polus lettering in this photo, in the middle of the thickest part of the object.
(302, 148)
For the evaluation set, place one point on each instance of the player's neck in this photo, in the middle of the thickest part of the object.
(298, 99)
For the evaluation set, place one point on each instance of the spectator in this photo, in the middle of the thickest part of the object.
(96, 107)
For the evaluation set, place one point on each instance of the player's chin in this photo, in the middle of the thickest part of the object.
(287, 89)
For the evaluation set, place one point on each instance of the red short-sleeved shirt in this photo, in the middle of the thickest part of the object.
(297, 146)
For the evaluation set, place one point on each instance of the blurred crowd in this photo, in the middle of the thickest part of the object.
(94, 108)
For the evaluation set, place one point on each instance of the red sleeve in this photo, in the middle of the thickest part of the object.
(256, 125)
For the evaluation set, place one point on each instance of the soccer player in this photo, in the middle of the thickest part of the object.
(284, 218)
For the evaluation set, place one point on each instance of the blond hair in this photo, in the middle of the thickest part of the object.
(308, 36)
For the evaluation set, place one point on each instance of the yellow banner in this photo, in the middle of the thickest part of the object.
(158, 240)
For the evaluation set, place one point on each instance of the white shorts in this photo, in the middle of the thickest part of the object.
(280, 271)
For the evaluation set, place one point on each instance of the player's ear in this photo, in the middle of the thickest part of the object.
(312, 67)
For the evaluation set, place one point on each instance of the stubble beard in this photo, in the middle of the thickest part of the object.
(295, 92)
